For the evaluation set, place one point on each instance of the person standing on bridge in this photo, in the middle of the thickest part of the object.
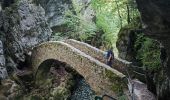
(110, 57)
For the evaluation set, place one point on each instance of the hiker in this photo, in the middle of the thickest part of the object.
(110, 57)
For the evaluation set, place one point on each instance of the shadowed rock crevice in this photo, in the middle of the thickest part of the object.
(155, 15)
(7, 3)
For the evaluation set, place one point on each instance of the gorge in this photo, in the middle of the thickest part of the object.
(138, 31)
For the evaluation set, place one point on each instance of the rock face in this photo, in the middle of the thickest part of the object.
(155, 15)
(2, 58)
(125, 44)
(140, 90)
(8, 88)
(127, 37)
(3, 72)
(55, 10)
(23, 26)
(32, 24)
(85, 9)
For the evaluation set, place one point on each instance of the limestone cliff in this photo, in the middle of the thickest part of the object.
(22, 26)
(56, 10)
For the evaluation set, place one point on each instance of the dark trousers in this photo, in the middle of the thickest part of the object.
(109, 63)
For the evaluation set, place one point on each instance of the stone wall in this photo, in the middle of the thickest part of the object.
(119, 64)
(91, 69)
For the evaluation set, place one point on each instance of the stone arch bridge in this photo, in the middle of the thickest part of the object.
(87, 60)
(83, 58)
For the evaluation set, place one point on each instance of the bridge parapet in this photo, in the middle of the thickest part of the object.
(119, 64)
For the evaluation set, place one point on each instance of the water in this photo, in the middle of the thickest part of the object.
(83, 91)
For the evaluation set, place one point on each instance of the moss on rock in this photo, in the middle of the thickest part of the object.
(117, 83)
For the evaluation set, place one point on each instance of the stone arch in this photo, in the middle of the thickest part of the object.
(91, 69)
(45, 68)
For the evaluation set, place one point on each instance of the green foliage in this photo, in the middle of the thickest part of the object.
(35, 97)
(61, 94)
(111, 16)
(77, 26)
(57, 36)
(80, 28)
(123, 97)
(117, 86)
(148, 52)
